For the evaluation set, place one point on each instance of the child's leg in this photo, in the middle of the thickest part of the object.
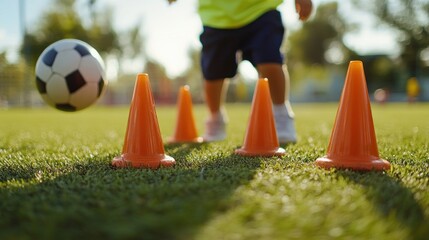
(278, 78)
(214, 91)
(278, 81)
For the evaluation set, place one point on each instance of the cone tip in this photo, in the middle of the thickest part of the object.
(143, 77)
(356, 64)
(355, 67)
(262, 82)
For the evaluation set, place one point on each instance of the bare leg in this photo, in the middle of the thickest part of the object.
(214, 94)
(278, 81)
(278, 78)
(216, 123)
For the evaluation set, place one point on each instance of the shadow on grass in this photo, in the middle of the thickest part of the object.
(392, 198)
(95, 201)
(12, 172)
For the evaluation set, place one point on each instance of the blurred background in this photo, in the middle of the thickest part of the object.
(391, 37)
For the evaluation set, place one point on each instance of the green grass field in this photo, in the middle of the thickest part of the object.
(57, 182)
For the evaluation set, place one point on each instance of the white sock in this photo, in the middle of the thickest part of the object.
(220, 116)
(284, 108)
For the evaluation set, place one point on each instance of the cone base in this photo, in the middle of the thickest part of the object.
(176, 140)
(151, 162)
(276, 152)
(372, 165)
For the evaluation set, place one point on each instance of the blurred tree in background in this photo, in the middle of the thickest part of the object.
(317, 56)
(319, 41)
(62, 21)
(381, 72)
(11, 81)
(411, 19)
(316, 52)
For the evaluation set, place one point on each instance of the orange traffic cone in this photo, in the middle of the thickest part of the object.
(261, 136)
(143, 147)
(353, 144)
(185, 127)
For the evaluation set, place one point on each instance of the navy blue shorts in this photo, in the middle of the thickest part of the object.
(259, 42)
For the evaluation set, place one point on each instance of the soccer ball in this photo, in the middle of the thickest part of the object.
(70, 75)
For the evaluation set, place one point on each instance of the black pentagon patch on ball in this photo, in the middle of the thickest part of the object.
(41, 85)
(100, 86)
(49, 57)
(82, 50)
(65, 107)
(75, 81)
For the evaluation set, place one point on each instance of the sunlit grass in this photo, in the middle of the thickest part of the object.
(57, 182)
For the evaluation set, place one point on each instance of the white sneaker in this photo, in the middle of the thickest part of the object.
(215, 128)
(285, 123)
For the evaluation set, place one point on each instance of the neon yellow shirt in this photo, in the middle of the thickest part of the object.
(233, 13)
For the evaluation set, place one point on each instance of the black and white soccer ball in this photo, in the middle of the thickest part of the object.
(70, 75)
